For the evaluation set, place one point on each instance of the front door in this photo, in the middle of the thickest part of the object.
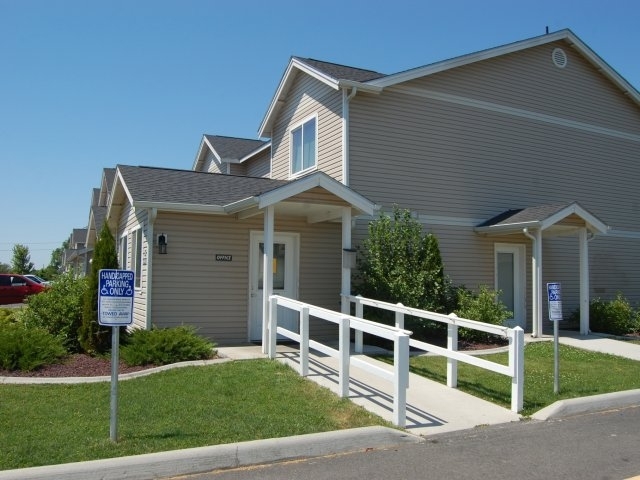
(510, 281)
(285, 279)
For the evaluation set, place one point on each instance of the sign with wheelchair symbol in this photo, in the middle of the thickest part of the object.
(555, 301)
(115, 297)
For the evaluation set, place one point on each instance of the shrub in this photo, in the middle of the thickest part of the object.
(93, 337)
(615, 317)
(24, 348)
(58, 310)
(7, 315)
(161, 346)
(483, 307)
(399, 263)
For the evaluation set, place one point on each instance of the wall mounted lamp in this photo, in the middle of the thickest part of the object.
(162, 243)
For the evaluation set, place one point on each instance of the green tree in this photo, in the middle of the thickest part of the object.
(21, 260)
(5, 268)
(399, 263)
(93, 337)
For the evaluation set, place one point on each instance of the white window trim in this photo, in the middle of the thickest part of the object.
(293, 127)
(520, 283)
(124, 256)
(134, 256)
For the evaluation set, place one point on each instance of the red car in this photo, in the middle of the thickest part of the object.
(15, 288)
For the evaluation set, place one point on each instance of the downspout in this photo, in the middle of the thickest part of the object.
(152, 214)
(345, 133)
(536, 300)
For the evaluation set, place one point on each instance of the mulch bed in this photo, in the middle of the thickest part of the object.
(77, 365)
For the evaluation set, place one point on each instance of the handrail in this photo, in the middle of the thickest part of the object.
(400, 338)
(515, 368)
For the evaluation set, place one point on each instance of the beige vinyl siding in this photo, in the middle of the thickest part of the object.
(190, 287)
(130, 221)
(578, 91)
(464, 162)
(456, 161)
(213, 165)
(237, 169)
(260, 165)
(307, 97)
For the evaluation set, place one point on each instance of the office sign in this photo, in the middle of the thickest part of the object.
(115, 297)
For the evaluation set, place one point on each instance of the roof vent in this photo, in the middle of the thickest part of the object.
(559, 58)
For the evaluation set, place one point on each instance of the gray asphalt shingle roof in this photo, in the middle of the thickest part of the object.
(524, 215)
(342, 72)
(232, 148)
(163, 185)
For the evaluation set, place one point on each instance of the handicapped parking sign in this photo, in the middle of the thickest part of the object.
(115, 297)
(555, 301)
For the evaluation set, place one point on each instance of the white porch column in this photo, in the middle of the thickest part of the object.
(267, 276)
(539, 288)
(536, 281)
(584, 282)
(346, 268)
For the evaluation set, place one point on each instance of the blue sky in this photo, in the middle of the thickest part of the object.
(91, 84)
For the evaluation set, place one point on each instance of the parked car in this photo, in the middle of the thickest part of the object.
(15, 288)
(37, 279)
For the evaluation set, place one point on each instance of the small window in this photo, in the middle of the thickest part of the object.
(138, 256)
(123, 252)
(303, 146)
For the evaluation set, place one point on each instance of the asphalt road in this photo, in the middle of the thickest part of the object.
(602, 445)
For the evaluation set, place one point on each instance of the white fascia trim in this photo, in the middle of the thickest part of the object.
(592, 221)
(255, 152)
(471, 58)
(565, 34)
(182, 207)
(213, 150)
(283, 87)
(198, 154)
(241, 205)
(508, 227)
(362, 87)
(318, 179)
(287, 78)
(516, 112)
(117, 182)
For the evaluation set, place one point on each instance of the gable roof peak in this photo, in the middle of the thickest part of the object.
(341, 72)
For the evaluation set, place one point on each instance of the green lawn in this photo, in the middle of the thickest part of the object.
(582, 373)
(175, 409)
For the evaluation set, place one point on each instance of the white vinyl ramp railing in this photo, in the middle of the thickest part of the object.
(515, 336)
(399, 376)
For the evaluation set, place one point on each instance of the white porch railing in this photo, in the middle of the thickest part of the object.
(515, 368)
(399, 377)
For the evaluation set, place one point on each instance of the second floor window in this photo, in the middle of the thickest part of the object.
(303, 146)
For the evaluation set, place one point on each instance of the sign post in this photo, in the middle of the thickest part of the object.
(555, 315)
(115, 309)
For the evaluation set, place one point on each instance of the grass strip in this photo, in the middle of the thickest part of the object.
(175, 409)
(582, 373)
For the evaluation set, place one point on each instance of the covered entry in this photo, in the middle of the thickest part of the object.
(316, 198)
(538, 223)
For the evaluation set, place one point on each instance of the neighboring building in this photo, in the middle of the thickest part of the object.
(522, 160)
(75, 257)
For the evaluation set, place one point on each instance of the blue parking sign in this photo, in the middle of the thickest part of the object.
(555, 301)
(115, 297)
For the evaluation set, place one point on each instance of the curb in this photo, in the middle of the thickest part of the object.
(107, 378)
(592, 404)
(206, 459)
